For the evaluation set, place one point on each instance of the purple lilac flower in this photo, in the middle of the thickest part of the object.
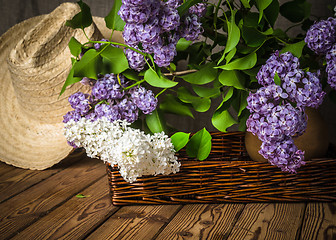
(288, 118)
(135, 60)
(164, 55)
(173, 38)
(190, 28)
(198, 9)
(128, 110)
(111, 112)
(149, 32)
(265, 99)
(169, 19)
(283, 154)
(109, 99)
(98, 45)
(321, 36)
(134, 13)
(71, 144)
(88, 81)
(136, 2)
(79, 101)
(280, 64)
(130, 34)
(173, 3)
(72, 115)
(331, 67)
(304, 88)
(254, 122)
(107, 87)
(144, 99)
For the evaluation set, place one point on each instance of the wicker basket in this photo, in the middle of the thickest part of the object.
(228, 175)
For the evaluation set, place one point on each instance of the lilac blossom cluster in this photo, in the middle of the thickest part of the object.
(321, 38)
(277, 111)
(109, 99)
(155, 26)
(331, 67)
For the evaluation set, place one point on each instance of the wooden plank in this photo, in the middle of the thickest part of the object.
(26, 207)
(319, 221)
(202, 221)
(4, 168)
(18, 179)
(269, 221)
(135, 222)
(76, 218)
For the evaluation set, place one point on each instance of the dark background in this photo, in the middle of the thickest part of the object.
(15, 11)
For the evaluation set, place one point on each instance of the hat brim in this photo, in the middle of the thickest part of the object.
(25, 142)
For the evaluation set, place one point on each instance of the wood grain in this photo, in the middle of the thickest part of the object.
(4, 168)
(135, 222)
(26, 207)
(17, 179)
(76, 218)
(202, 221)
(269, 221)
(319, 221)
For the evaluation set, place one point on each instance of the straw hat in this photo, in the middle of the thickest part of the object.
(34, 63)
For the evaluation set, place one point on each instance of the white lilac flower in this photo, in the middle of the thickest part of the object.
(136, 153)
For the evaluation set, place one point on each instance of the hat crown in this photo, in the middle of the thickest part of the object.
(40, 62)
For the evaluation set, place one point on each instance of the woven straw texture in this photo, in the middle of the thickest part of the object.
(228, 175)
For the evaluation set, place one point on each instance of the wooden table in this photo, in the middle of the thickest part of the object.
(71, 201)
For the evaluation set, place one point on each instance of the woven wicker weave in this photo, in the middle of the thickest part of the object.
(228, 175)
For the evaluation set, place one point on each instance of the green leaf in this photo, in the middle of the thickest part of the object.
(246, 3)
(89, 65)
(233, 33)
(172, 67)
(171, 104)
(228, 95)
(230, 55)
(179, 140)
(250, 19)
(231, 78)
(198, 103)
(272, 12)
(186, 5)
(262, 5)
(113, 20)
(82, 19)
(154, 80)
(69, 81)
(277, 79)
(206, 92)
(243, 102)
(222, 120)
(82, 196)
(199, 145)
(242, 120)
(243, 63)
(131, 74)
(295, 48)
(182, 45)
(202, 104)
(155, 122)
(185, 95)
(206, 74)
(295, 11)
(116, 57)
(252, 36)
(75, 47)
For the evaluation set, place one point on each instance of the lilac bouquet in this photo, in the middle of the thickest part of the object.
(192, 58)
